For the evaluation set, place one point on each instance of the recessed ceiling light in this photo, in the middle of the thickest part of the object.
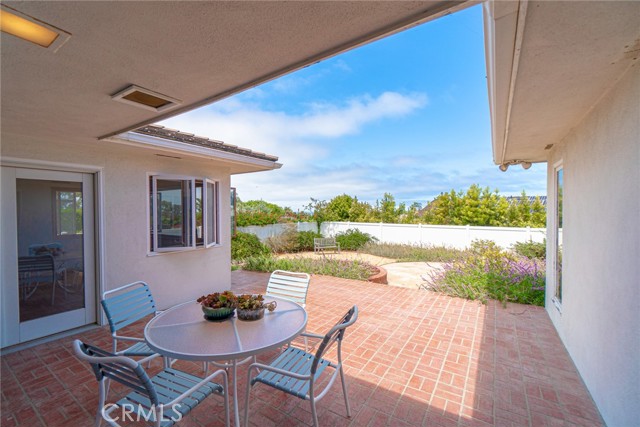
(30, 29)
(145, 98)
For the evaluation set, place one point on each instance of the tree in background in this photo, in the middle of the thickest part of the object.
(475, 206)
(482, 207)
(257, 212)
(340, 208)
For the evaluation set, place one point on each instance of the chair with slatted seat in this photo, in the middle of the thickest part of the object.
(296, 372)
(163, 399)
(35, 270)
(124, 306)
(289, 285)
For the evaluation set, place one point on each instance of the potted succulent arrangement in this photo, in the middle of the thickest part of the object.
(219, 305)
(251, 307)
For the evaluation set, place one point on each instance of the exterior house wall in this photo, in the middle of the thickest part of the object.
(599, 317)
(123, 209)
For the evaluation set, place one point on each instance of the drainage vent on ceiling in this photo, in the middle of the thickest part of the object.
(145, 98)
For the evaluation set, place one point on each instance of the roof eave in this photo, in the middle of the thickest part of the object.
(503, 27)
(241, 163)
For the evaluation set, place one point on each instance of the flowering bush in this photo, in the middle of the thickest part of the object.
(485, 271)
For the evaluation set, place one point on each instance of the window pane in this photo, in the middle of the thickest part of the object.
(174, 213)
(559, 220)
(212, 231)
(233, 211)
(68, 212)
(199, 207)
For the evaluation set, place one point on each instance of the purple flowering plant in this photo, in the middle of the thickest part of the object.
(485, 271)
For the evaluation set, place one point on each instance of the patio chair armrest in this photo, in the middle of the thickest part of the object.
(127, 338)
(198, 385)
(277, 371)
(311, 335)
(149, 358)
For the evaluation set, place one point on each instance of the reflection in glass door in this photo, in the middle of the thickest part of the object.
(50, 247)
(47, 264)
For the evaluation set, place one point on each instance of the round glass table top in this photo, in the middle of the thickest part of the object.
(182, 332)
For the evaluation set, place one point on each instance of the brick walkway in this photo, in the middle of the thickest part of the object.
(414, 358)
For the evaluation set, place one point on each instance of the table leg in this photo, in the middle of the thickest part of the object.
(236, 412)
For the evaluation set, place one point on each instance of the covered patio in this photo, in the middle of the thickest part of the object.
(413, 358)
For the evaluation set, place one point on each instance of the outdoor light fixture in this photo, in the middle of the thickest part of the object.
(504, 166)
(30, 29)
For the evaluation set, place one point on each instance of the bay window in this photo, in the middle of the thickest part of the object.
(183, 213)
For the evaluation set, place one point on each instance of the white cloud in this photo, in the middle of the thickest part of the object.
(291, 83)
(305, 143)
(296, 139)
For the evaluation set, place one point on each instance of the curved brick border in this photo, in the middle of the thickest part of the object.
(379, 277)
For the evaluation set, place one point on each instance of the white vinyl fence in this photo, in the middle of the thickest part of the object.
(265, 231)
(453, 236)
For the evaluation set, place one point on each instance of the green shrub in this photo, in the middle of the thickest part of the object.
(305, 240)
(410, 253)
(531, 249)
(354, 269)
(245, 245)
(353, 239)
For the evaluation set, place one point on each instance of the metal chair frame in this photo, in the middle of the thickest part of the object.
(34, 270)
(290, 285)
(163, 399)
(295, 371)
(128, 304)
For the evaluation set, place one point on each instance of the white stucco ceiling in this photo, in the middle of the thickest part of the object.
(549, 63)
(197, 52)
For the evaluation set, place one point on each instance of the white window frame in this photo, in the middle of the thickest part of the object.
(215, 214)
(58, 214)
(555, 233)
(152, 234)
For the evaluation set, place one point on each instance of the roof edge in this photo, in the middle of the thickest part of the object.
(504, 30)
(154, 142)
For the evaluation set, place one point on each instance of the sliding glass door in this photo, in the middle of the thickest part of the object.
(48, 262)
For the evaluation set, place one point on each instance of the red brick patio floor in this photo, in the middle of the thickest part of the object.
(414, 358)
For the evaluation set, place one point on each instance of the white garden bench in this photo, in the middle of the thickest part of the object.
(322, 243)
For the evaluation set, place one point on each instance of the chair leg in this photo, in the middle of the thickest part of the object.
(344, 391)
(246, 398)
(314, 414)
(227, 410)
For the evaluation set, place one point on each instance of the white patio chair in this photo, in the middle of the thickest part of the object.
(289, 285)
(163, 399)
(296, 372)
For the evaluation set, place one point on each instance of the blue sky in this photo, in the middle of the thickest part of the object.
(406, 115)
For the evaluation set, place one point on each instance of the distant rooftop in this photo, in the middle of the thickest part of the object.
(200, 141)
(518, 199)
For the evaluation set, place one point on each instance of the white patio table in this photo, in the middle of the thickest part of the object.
(182, 332)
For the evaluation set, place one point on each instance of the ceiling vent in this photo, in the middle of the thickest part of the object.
(145, 98)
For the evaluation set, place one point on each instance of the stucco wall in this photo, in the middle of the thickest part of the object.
(173, 277)
(599, 319)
